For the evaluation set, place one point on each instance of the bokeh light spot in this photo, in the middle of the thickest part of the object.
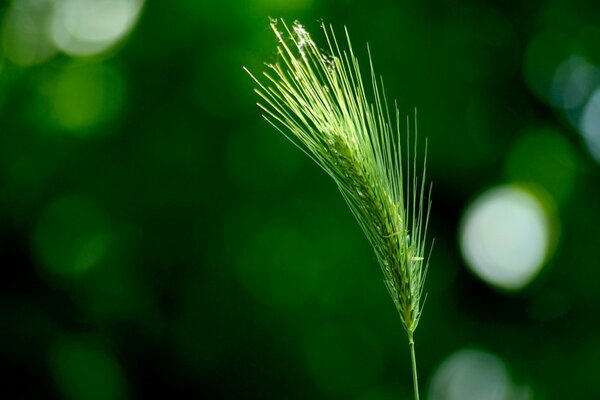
(87, 27)
(279, 267)
(506, 236)
(71, 237)
(574, 81)
(471, 375)
(343, 361)
(81, 98)
(544, 157)
(590, 124)
(24, 32)
(85, 370)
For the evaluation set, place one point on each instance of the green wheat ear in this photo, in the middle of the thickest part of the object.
(318, 100)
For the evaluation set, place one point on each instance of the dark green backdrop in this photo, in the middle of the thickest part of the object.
(158, 239)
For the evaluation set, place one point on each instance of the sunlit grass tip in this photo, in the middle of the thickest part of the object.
(318, 99)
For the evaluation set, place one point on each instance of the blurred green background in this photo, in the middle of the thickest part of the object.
(160, 240)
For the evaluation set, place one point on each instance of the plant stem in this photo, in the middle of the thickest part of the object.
(411, 342)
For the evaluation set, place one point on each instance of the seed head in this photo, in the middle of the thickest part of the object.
(318, 100)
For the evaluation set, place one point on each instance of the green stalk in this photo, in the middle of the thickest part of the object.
(413, 358)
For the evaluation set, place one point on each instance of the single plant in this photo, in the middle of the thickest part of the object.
(318, 100)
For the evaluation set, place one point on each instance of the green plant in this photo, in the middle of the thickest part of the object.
(318, 100)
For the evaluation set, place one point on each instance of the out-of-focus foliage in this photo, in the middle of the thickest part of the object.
(156, 236)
